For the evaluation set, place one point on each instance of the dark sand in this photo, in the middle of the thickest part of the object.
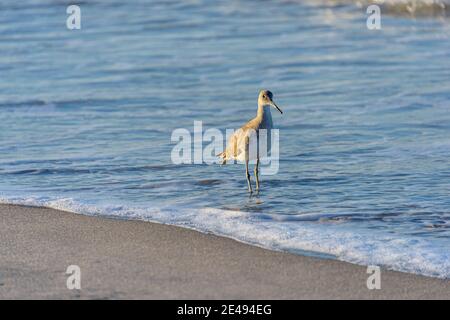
(133, 260)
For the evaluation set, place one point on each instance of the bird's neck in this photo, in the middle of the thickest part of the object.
(263, 109)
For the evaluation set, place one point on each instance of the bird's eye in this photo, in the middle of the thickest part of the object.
(264, 96)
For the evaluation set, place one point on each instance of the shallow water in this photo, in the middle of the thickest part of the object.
(86, 119)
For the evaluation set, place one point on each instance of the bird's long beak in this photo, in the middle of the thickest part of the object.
(275, 106)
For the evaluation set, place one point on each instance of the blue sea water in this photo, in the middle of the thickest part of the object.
(86, 118)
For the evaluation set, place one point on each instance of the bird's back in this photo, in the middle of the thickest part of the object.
(237, 143)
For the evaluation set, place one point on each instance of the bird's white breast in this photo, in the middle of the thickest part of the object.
(266, 122)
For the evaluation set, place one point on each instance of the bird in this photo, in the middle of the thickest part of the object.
(239, 146)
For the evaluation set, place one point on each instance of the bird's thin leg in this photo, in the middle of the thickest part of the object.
(248, 177)
(257, 174)
(247, 145)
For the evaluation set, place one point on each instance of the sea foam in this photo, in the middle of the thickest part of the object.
(406, 254)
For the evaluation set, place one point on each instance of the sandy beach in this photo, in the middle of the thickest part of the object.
(134, 260)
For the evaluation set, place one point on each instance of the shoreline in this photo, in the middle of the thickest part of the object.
(131, 259)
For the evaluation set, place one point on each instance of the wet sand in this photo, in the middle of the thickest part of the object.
(142, 260)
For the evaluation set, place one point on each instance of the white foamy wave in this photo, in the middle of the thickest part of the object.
(396, 7)
(422, 256)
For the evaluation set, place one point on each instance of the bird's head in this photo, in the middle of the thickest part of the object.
(266, 99)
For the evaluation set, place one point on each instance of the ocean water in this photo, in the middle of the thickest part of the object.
(86, 118)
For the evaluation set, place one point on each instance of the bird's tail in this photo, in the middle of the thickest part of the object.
(223, 155)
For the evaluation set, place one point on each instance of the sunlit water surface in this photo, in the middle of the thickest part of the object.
(86, 119)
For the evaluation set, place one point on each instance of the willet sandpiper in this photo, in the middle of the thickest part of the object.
(238, 147)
